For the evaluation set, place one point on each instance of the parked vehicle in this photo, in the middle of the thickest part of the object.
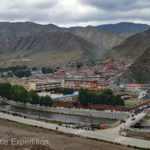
(97, 126)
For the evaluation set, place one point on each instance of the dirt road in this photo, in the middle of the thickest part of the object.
(55, 140)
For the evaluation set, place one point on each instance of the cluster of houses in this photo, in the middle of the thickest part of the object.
(102, 75)
(142, 89)
(134, 87)
(104, 71)
(76, 84)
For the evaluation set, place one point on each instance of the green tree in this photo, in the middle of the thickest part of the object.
(23, 73)
(82, 97)
(119, 101)
(79, 65)
(41, 101)
(105, 98)
(18, 93)
(20, 73)
(2, 76)
(27, 73)
(10, 74)
(47, 70)
(33, 97)
(46, 101)
(43, 70)
(34, 68)
(66, 91)
(5, 90)
(108, 92)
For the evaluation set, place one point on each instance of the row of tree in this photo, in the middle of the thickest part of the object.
(22, 71)
(64, 91)
(46, 70)
(20, 94)
(18, 71)
(13, 68)
(105, 98)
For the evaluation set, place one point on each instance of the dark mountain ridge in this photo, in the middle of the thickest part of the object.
(10, 31)
(125, 29)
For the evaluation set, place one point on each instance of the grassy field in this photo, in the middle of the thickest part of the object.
(127, 105)
(51, 58)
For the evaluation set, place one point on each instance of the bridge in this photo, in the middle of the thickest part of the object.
(133, 120)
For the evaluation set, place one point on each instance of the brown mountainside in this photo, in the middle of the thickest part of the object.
(103, 39)
(132, 47)
(139, 71)
(10, 31)
(50, 45)
(30, 41)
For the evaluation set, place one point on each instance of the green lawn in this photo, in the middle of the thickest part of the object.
(127, 105)
(147, 117)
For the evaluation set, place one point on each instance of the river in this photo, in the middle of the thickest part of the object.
(56, 116)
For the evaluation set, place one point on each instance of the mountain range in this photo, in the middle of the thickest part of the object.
(47, 48)
(34, 44)
(37, 45)
(124, 29)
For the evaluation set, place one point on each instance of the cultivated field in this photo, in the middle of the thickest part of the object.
(56, 141)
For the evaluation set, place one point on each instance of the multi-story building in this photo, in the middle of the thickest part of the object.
(132, 87)
(78, 84)
(43, 86)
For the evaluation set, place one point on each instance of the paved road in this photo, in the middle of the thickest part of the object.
(111, 135)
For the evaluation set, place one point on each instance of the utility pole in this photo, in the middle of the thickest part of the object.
(39, 114)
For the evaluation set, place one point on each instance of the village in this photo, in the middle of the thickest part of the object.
(64, 86)
(94, 77)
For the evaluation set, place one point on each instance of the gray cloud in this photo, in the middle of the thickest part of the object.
(135, 10)
(117, 4)
(75, 12)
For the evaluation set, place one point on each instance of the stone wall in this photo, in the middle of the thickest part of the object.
(137, 133)
(71, 111)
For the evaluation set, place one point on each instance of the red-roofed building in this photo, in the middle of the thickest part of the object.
(132, 87)
(78, 84)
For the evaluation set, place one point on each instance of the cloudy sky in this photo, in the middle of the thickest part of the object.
(75, 12)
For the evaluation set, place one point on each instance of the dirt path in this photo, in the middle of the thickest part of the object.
(55, 141)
